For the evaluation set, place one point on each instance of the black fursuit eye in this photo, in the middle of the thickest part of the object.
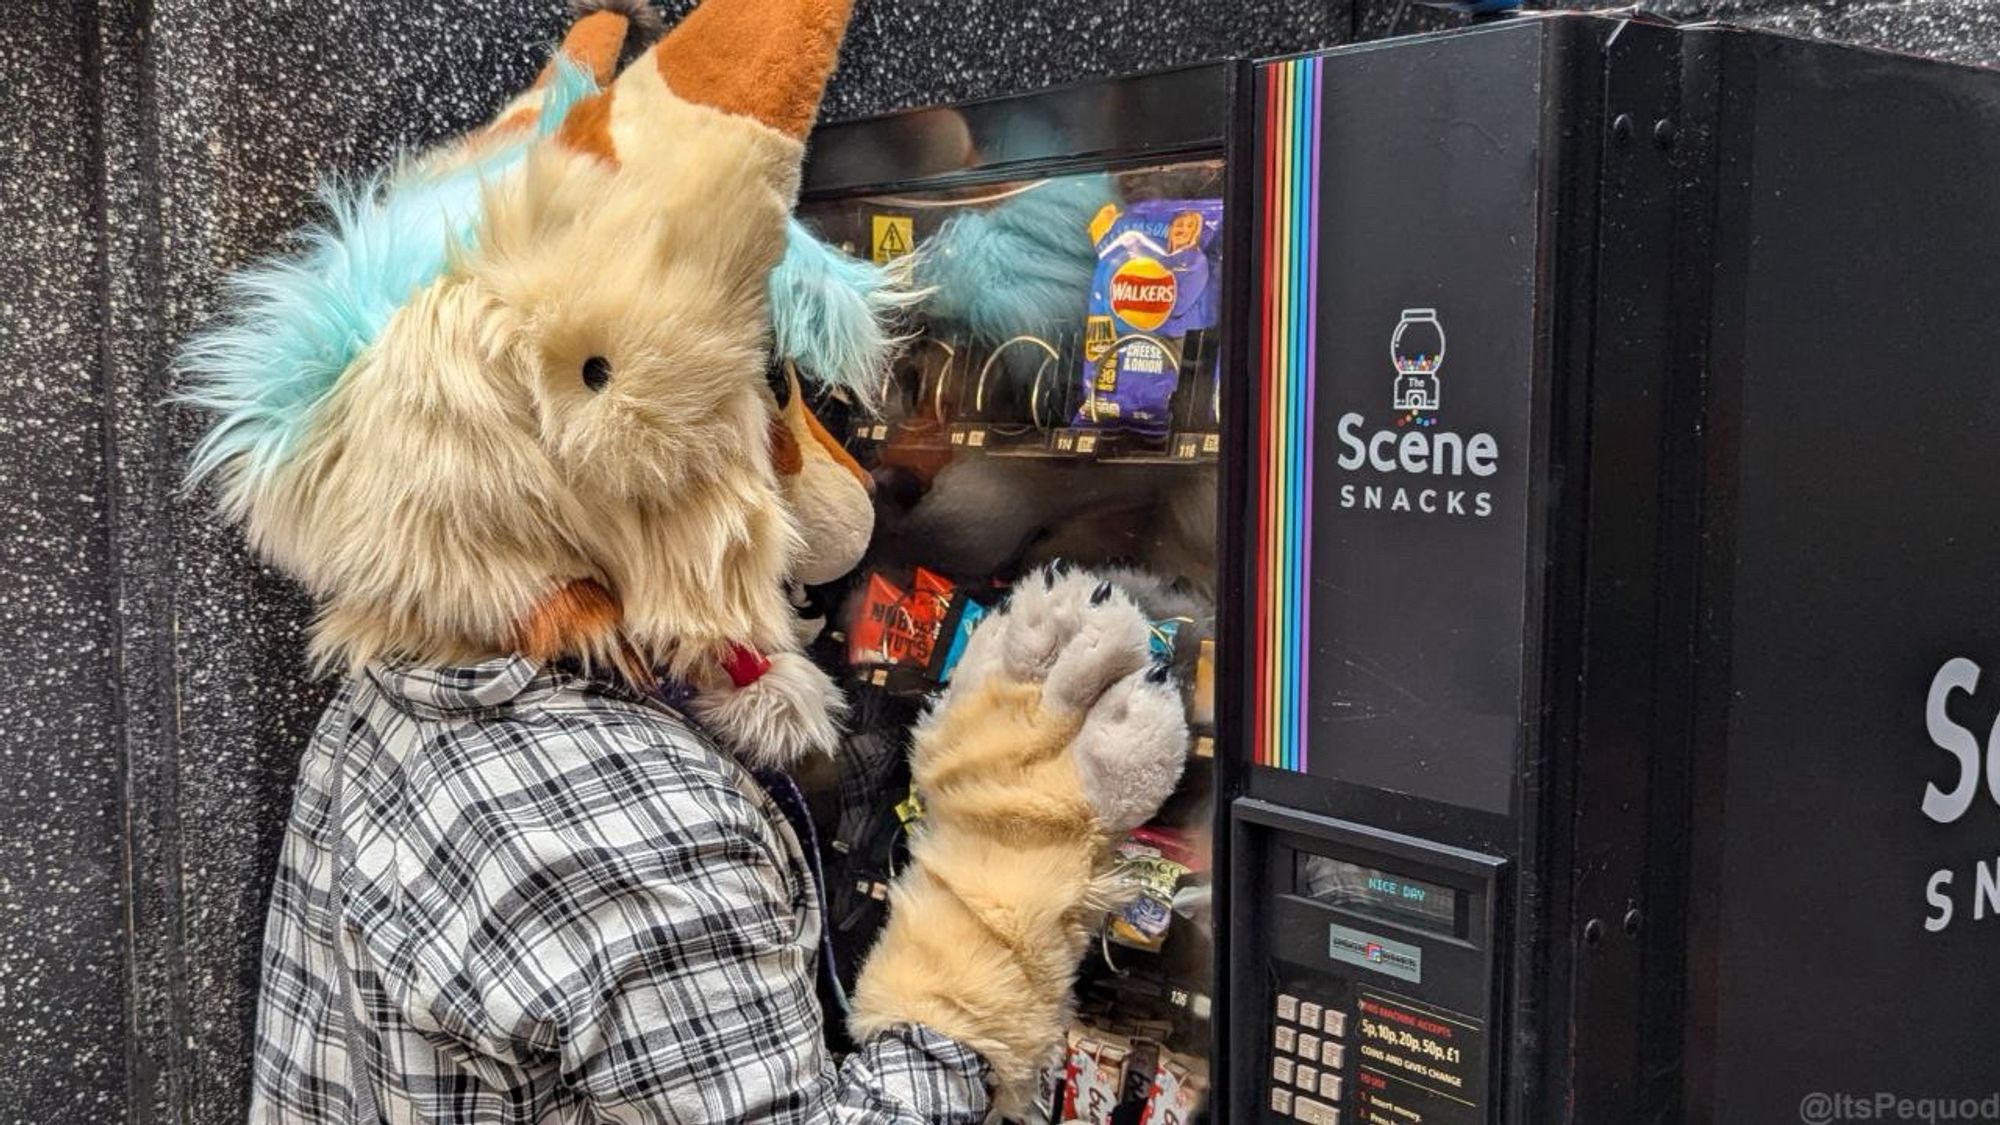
(596, 372)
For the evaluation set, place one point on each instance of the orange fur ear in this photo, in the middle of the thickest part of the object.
(594, 42)
(587, 129)
(765, 59)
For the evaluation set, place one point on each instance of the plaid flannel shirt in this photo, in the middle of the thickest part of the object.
(557, 903)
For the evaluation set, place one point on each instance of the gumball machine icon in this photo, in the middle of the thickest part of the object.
(1417, 349)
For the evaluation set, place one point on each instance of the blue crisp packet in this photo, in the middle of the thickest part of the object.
(1157, 281)
(967, 618)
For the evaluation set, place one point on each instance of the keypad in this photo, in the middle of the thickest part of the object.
(1305, 1080)
(1315, 1113)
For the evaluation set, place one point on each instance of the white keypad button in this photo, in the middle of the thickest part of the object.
(1308, 1078)
(1287, 1038)
(1315, 1113)
(1333, 1055)
(1329, 1086)
(1336, 1022)
(1288, 1007)
(1309, 1014)
(1281, 1101)
(1309, 1046)
(1281, 1070)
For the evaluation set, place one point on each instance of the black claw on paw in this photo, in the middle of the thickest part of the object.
(1102, 594)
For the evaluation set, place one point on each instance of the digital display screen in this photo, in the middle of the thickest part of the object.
(1376, 893)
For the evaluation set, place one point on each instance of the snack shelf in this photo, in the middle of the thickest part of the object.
(1058, 400)
(1069, 443)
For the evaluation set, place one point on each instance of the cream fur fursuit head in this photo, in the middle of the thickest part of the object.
(1058, 735)
(511, 397)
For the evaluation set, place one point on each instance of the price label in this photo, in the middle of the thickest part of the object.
(1417, 1063)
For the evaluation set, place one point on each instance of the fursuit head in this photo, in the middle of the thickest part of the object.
(515, 395)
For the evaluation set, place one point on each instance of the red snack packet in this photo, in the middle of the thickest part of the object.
(868, 634)
(1174, 843)
(926, 608)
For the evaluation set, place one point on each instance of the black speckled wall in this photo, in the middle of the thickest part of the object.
(154, 698)
(62, 929)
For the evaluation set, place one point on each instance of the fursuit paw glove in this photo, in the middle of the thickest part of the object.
(1057, 736)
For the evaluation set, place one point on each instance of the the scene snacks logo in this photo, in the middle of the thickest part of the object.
(1422, 467)
(1416, 348)
(1142, 294)
(1953, 893)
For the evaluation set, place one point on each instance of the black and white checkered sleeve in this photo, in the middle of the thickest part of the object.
(652, 940)
(913, 1074)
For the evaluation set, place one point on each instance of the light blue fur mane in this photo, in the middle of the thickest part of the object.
(833, 314)
(296, 322)
(1024, 266)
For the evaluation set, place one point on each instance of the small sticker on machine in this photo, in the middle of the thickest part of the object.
(1384, 955)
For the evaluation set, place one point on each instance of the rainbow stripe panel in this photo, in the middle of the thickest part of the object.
(1287, 348)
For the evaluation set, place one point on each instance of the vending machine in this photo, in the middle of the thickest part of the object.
(1609, 739)
(1060, 401)
(1559, 457)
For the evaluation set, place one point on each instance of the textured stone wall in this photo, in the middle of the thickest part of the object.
(154, 699)
(62, 929)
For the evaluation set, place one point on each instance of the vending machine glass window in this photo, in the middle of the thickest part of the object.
(1058, 402)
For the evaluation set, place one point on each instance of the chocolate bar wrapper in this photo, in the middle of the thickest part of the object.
(1050, 1082)
(1136, 1084)
(1095, 1075)
(1180, 1085)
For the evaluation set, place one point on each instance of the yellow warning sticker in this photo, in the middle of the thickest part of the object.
(894, 236)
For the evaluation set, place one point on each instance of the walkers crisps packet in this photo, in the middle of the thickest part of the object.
(1158, 280)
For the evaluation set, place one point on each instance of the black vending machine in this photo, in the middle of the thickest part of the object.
(1612, 520)
(1560, 458)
